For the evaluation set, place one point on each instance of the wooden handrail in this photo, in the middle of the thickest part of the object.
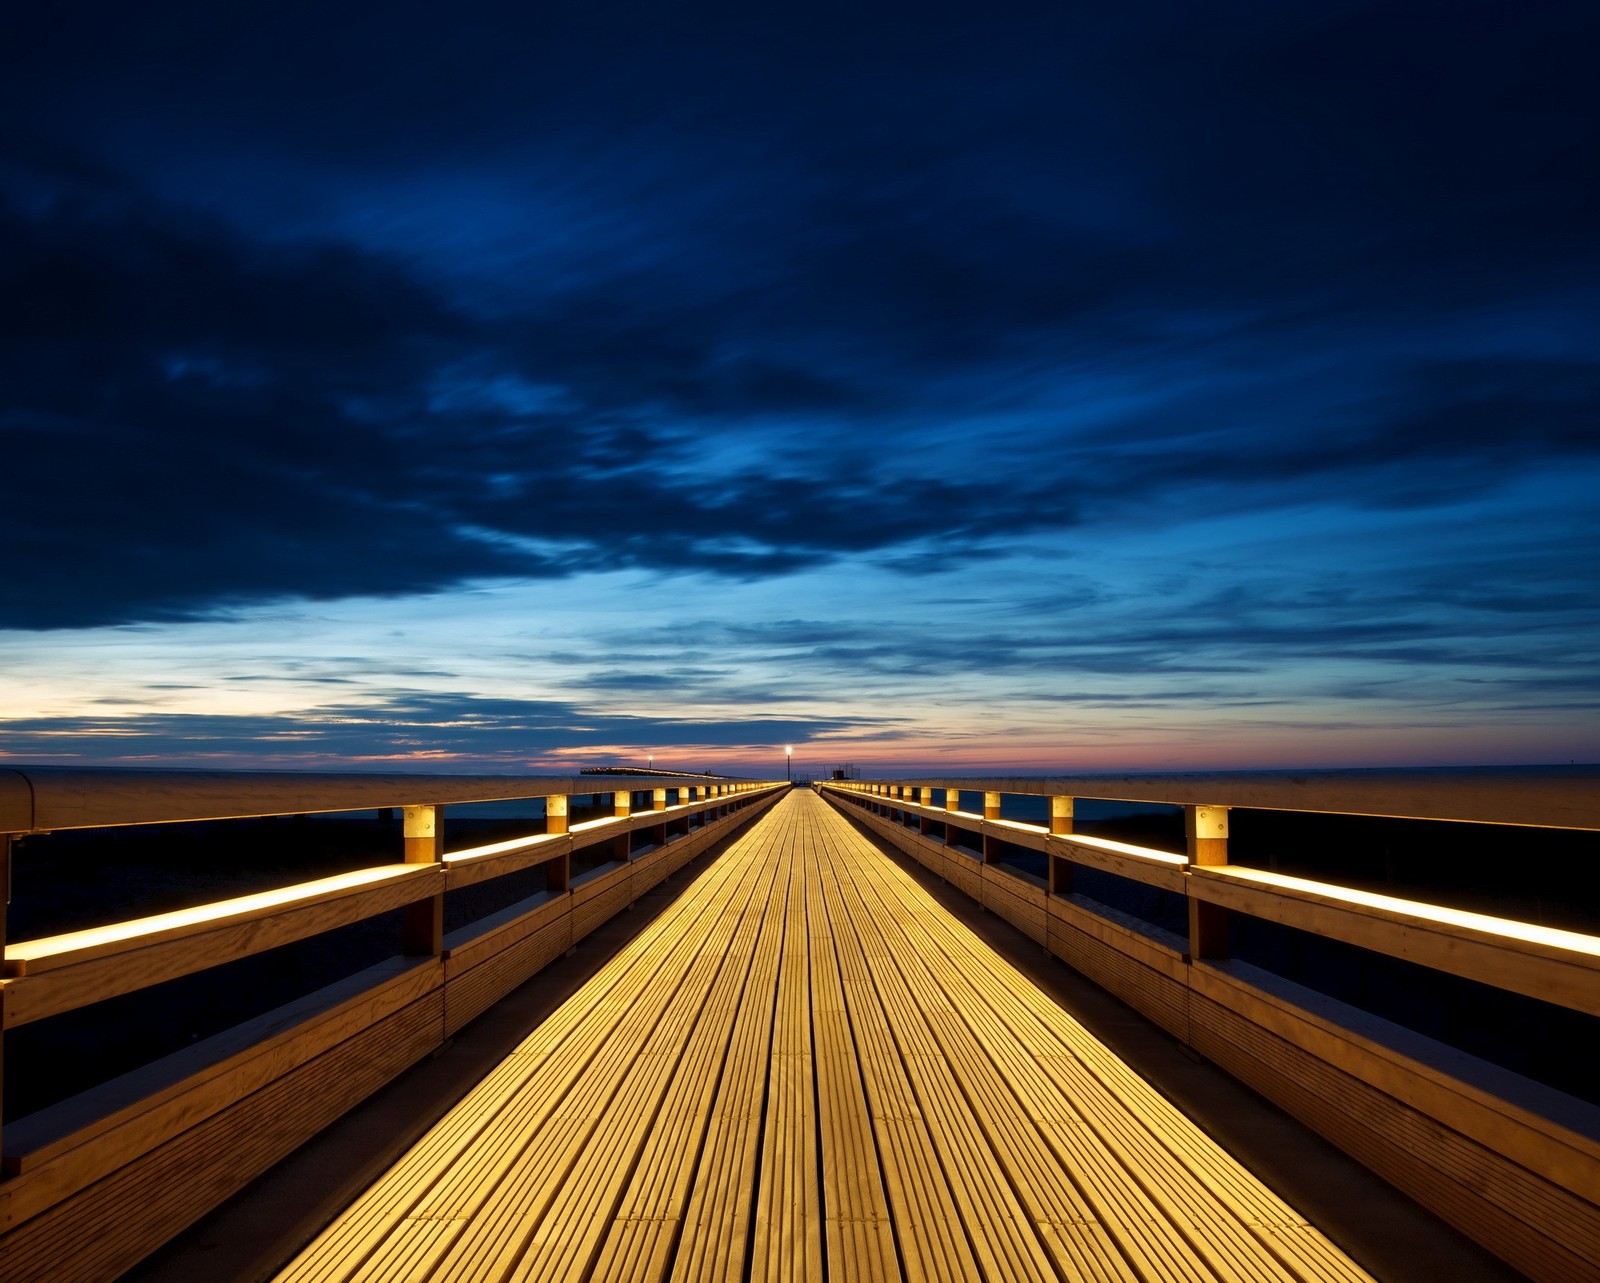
(1509, 1160)
(1561, 967)
(1561, 797)
(46, 798)
(49, 975)
(1555, 966)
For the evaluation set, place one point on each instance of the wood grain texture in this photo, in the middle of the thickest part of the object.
(1551, 1134)
(91, 1236)
(176, 1137)
(64, 975)
(68, 797)
(1551, 1234)
(804, 1070)
(1560, 967)
(63, 1148)
(1538, 797)
(1141, 864)
(1513, 1165)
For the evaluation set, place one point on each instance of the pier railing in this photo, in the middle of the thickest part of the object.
(134, 1160)
(1511, 1161)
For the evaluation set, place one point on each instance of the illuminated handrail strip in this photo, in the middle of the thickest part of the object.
(1557, 966)
(39, 973)
(528, 843)
(1139, 863)
(1552, 942)
(30, 957)
(1030, 833)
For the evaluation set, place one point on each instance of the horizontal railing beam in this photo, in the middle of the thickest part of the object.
(1561, 797)
(59, 973)
(1140, 864)
(1552, 965)
(46, 798)
(1561, 967)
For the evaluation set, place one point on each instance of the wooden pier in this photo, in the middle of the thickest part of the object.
(806, 1068)
(807, 1065)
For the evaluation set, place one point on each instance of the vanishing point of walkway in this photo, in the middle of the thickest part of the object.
(807, 1069)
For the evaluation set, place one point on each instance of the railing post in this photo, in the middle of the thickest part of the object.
(1206, 828)
(952, 804)
(556, 813)
(622, 844)
(423, 922)
(658, 802)
(925, 798)
(991, 811)
(1061, 867)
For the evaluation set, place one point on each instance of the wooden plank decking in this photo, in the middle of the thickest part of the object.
(807, 1069)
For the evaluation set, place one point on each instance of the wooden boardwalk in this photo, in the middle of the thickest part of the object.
(807, 1069)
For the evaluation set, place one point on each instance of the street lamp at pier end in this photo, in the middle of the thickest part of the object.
(788, 762)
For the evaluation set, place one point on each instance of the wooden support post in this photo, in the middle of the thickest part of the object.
(1206, 828)
(990, 844)
(952, 804)
(622, 844)
(1060, 867)
(556, 813)
(925, 797)
(423, 922)
(658, 802)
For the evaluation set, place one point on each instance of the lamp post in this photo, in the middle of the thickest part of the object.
(788, 762)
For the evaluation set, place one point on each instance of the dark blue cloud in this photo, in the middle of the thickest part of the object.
(454, 729)
(311, 303)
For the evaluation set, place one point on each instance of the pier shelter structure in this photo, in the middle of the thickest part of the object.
(805, 1065)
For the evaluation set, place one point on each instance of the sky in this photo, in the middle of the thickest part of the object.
(937, 388)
